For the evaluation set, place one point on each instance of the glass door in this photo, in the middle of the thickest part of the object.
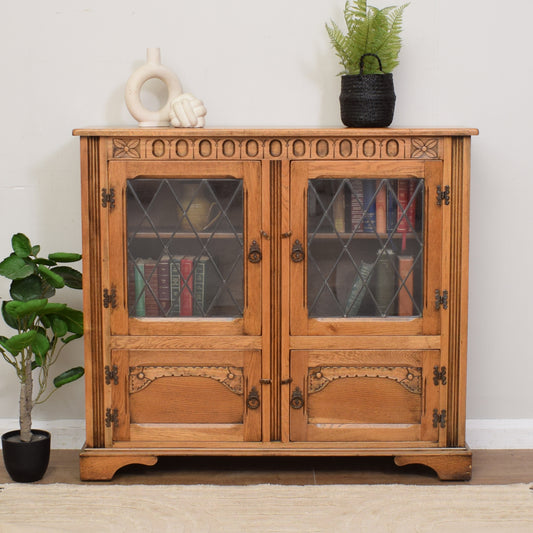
(366, 248)
(188, 260)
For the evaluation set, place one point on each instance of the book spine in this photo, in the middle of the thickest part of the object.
(403, 199)
(186, 287)
(369, 204)
(381, 209)
(163, 276)
(411, 210)
(405, 281)
(357, 206)
(175, 286)
(385, 283)
(140, 309)
(151, 289)
(131, 288)
(199, 287)
(339, 206)
(392, 207)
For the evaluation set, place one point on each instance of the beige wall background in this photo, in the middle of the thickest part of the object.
(64, 64)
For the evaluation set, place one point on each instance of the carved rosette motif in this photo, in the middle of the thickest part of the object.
(142, 376)
(126, 148)
(408, 377)
(243, 148)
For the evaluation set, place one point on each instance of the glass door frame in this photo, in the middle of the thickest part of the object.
(120, 322)
(430, 322)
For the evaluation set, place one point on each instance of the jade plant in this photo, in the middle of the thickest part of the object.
(43, 328)
(369, 31)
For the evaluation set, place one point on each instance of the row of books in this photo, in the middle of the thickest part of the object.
(172, 286)
(386, 283)
(381, 206)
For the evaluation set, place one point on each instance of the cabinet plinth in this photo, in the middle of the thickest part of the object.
(275, 292)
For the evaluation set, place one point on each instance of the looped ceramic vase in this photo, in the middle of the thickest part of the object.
(151, 69)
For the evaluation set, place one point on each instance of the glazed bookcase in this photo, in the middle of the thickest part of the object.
(275, 292)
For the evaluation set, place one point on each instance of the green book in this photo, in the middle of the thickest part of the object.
(199, 286)
(140, 309)
(175, 285)
(359, 288)
(385, 279)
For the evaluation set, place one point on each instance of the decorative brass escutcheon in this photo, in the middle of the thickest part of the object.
(254, 254)
(297, 254)
(297, 398)
(253, 401)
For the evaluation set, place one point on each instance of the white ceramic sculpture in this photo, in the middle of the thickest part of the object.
(186, 111)
(151, 69)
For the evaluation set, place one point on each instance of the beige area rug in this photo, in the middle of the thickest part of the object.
(265, 508)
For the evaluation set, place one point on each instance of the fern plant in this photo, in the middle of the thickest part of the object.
(369, 30)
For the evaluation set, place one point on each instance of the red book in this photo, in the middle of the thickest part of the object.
(403, 200)
(186, 291)
(411, 211)
(381, 210)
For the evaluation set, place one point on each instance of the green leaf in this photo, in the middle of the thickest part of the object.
(14, 267)
(17, 343)
(72, 277)
(40, 344)
(59, 326)
(71, 338)
(26, 289)
(52, 308)
(21, 245)
(74, 320)
(20, 309)
(68, 376)
(54, 279)
(62, 257)
(47, 291)
(9, 319)
(42, 261)
(35, 250)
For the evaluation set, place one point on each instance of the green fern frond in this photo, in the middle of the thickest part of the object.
(369, 30)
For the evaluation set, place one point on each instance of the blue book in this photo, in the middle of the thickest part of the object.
(369, 206)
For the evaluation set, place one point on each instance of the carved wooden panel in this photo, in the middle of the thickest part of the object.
(283, 147)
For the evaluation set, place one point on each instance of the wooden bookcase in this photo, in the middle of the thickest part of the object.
(275, 292)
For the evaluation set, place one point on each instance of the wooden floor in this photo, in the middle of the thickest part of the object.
(494, 467)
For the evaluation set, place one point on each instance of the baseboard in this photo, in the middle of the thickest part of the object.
(480, 434)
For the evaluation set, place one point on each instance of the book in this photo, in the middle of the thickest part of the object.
(186, 286)
(357, 206)
(199, 286)
(139, 288)
(381, 208)
(403, 200)
(392, 206)
(175, 285)
(405, 284)
(358, 290)
(385, 282)
(163, 275)
(369, 206)
(131, 287)
(411, 209)
(151, 288)
(339, 207)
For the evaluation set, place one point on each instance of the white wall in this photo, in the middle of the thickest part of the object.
(64, 64)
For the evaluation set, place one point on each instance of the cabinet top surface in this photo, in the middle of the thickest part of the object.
(262, 132)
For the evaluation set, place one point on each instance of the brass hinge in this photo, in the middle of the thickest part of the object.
(439, 375)
(111, 374)
(443, 195)
(439, 418)
(441, 300)
(108, 199)
(110, 298)
(111, 417)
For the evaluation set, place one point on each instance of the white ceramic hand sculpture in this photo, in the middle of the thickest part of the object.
(186, 111)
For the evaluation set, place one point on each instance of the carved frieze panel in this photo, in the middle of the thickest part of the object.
(142, 376)
(294, 148)
(408, 377)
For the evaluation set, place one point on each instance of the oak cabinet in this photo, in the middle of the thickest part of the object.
(280, 292)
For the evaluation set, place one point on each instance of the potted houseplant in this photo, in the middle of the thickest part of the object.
(43, 329)
(368, 52)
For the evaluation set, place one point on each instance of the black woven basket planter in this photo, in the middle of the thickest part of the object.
(367, 100)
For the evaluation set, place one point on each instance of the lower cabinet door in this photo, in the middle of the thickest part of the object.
(160, 397)
(371, 396)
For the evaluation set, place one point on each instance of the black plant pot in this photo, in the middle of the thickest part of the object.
(367, 100)
(26, 461)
